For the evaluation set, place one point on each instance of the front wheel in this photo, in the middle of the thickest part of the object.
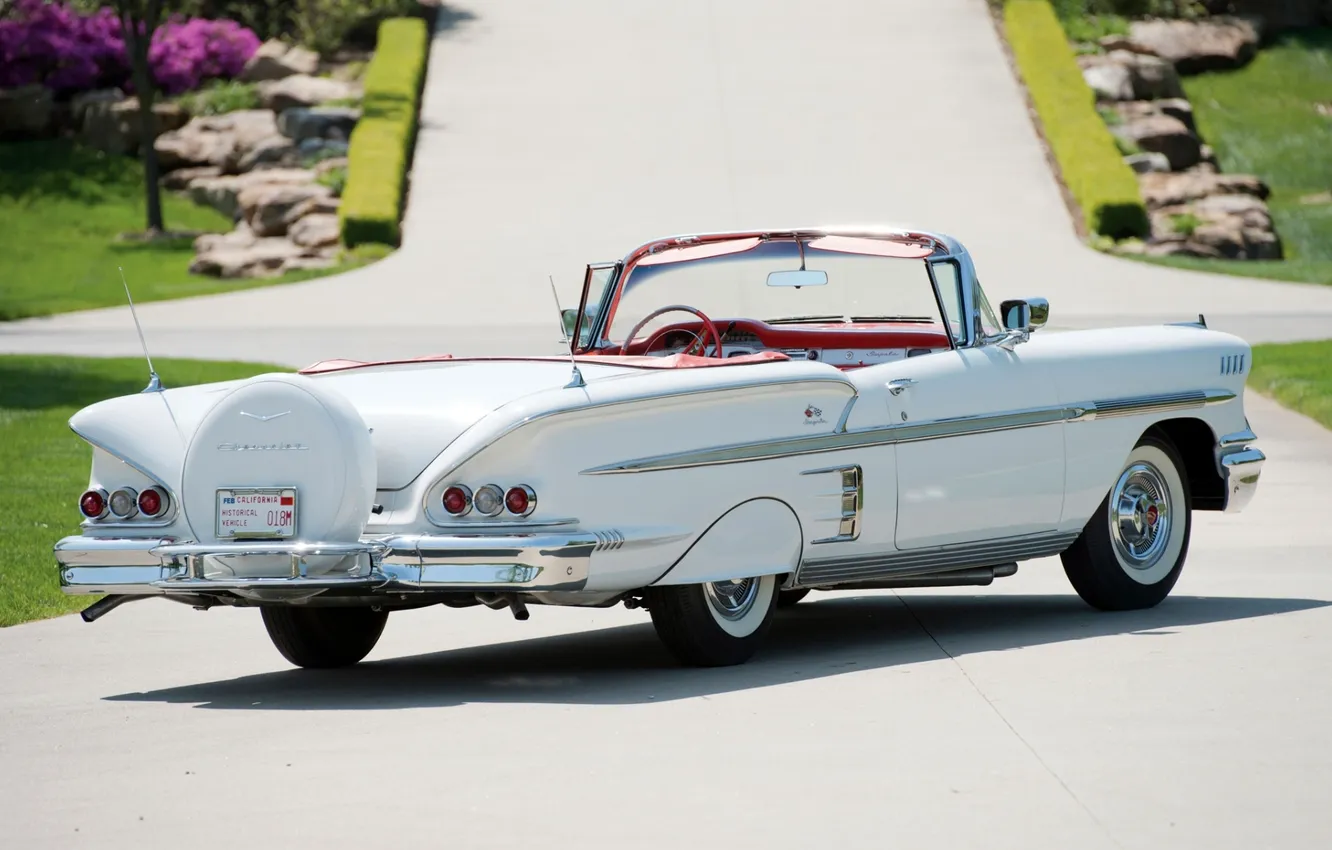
(717, 624)
(324, 637)
(1132, 550)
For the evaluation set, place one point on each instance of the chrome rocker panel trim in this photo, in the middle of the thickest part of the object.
(394, 564)
(821, 572)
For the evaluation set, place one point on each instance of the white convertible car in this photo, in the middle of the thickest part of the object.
(741, 418)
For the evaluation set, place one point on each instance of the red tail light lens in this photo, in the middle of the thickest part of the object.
(92, 504)
(457, 500)
(520, 500)
(153, 502)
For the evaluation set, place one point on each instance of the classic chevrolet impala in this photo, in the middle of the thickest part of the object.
(741, 418)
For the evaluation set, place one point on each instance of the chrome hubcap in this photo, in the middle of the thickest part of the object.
(1140, 516)
(732, 599)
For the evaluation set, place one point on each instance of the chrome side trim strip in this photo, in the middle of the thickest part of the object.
(937, 429)
(983, 553)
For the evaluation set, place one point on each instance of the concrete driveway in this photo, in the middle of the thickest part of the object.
(1010, 716)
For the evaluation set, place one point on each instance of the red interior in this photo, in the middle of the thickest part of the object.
(840, 335)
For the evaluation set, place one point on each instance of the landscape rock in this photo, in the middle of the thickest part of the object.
(1109, 80)
(1180, 249)
(320, 205)
(1125, 75)
(221, 140)
(1207, 44)
(261, 258)
(1178, 108)
(275, 150)
(79, 103)
(241, 237)
(1147, 162)
(324, 148)
(324, 166)
(113, 125)
(315, 231)
(302, 90)
(26, 112)
(275, 60)
(180, 179)
(1170, 190)
(1161, 133)
(318, 122)
(303, 263)
(223, 193)
(265, 207)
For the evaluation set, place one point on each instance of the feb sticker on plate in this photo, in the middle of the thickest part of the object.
(256, 513)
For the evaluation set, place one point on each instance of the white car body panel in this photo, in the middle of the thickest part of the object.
(989, 453)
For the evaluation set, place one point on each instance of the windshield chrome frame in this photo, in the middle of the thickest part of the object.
(943, 247)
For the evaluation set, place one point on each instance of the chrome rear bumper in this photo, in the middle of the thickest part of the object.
(397, 564)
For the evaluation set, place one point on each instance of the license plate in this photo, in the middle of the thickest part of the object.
(265, 513)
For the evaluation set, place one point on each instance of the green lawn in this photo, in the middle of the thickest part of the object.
(44, 467)
(1273, 118)
(61, 208)
(1297, 374)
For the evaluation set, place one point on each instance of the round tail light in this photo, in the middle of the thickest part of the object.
(520, 500)
(457, 500)
(153, 502)
(92, 504)
(489, 500)
(124, 503)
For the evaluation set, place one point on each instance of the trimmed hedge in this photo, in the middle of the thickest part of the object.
(381, 145)
(1092, 166)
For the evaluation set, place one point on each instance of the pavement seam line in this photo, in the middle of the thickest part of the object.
(1057, 778)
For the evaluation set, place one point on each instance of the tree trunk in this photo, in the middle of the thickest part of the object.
(138, 22)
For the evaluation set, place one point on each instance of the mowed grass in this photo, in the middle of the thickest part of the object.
(1273, 118)
(62, 207)
(44, 466)
(1298, 375)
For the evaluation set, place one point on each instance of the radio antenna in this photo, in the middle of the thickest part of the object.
(577, 379)
(154, 382)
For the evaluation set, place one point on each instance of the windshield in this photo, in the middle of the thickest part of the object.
(881, 282)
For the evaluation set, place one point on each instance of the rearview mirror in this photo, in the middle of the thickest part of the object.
(1024, 314)
(797, 278)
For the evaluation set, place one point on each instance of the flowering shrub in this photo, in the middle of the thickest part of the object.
(185, 53)
(51, 44)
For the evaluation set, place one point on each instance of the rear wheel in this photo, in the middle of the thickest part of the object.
(324, 637)
(716, 624)
(1132, 550)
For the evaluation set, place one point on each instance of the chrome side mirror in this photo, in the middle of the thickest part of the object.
(1024, 315)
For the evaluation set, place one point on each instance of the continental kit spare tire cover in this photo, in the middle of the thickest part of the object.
(276, 431)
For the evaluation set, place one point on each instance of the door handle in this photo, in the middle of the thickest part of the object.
(898, 385)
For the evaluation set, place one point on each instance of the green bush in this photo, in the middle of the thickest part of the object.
(1091, 164)
(382, 143)
(220, 96)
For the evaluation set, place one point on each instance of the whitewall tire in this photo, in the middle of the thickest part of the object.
(715, 624)
(1132, 550)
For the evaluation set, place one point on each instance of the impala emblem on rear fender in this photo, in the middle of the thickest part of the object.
(264, 418)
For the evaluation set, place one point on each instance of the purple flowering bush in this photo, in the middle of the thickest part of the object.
(52, 44)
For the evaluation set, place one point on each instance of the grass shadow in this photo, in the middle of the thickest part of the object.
(627, 665)
(37, 170)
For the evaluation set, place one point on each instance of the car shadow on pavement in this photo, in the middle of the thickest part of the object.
(627, 665)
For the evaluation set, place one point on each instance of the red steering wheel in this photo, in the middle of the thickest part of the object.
(707, 323)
